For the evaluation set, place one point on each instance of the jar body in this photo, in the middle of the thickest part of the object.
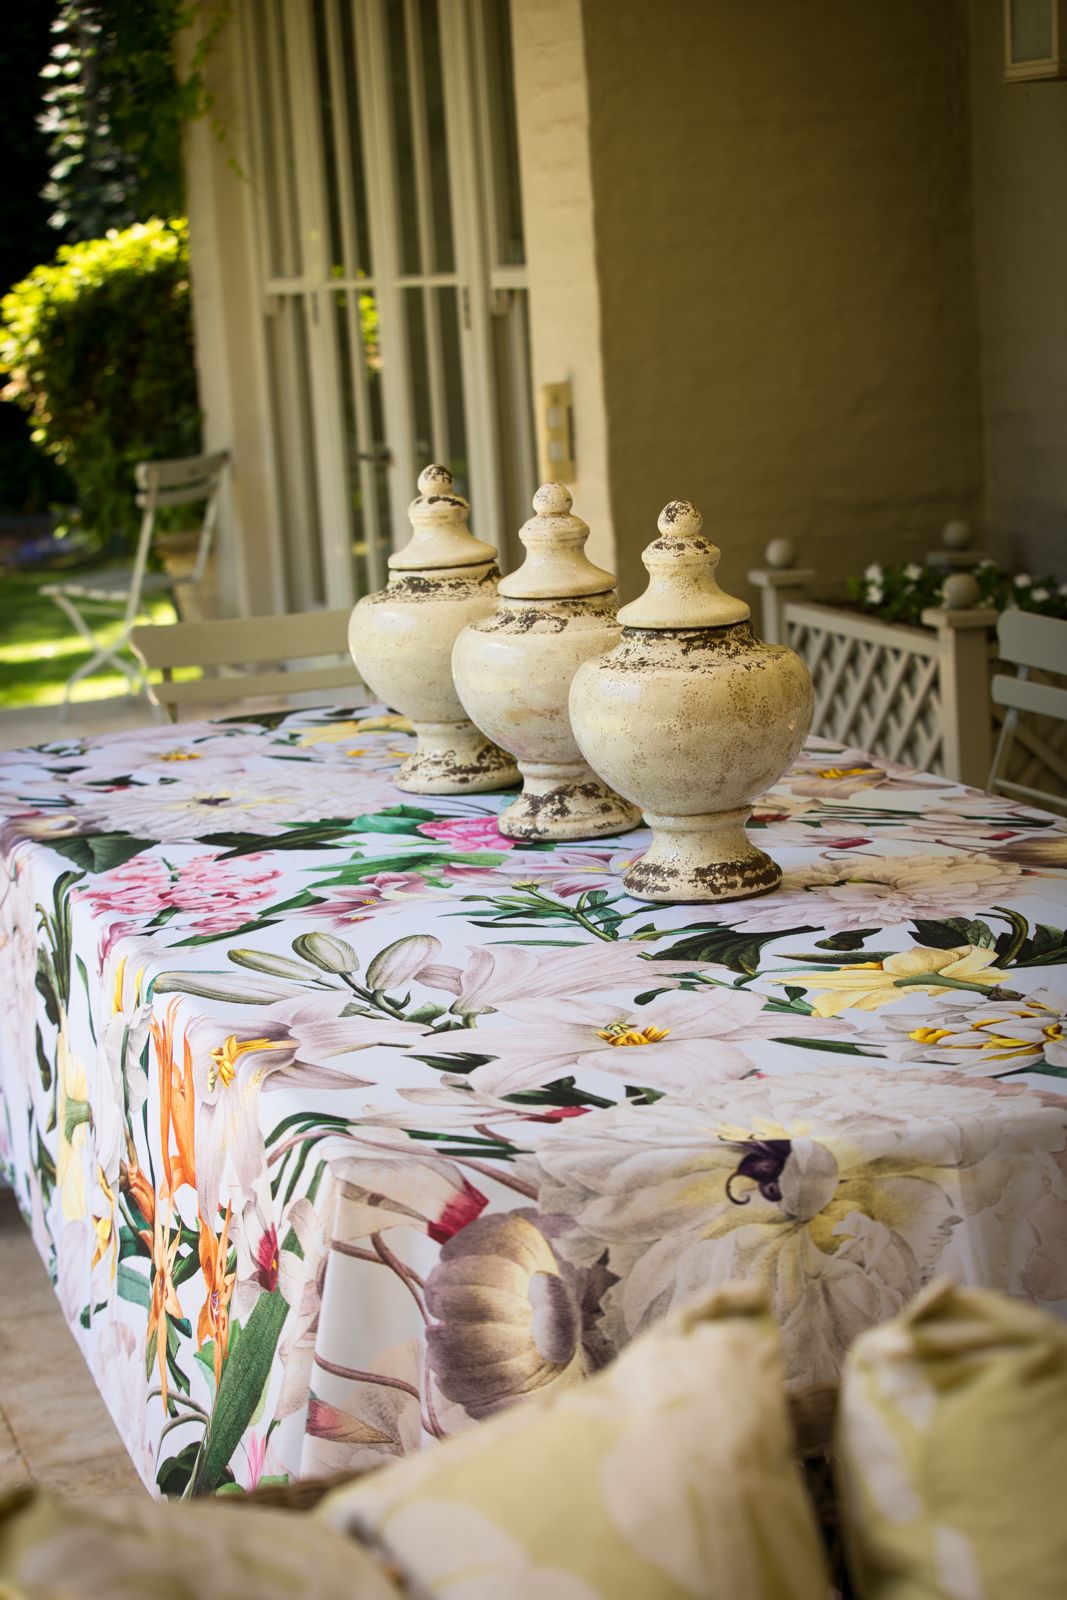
(401, 641)
(692, 724)
(513, 672)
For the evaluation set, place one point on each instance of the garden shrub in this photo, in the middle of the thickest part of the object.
(98, 347)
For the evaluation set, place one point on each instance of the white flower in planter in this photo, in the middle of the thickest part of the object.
(1039, 594)
(874, 573)
(913, 572)
(875, 594)
(1022, 580)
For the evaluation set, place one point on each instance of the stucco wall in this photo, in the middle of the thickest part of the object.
(783, 235)
(1020, 187)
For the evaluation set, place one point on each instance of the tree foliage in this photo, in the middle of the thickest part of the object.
(115, 103)
(99, 349)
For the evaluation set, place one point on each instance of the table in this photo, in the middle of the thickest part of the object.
(341, 1121)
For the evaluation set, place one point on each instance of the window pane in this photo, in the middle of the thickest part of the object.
(509, 249)
(422, 428)
(276, 184)
(1031, 30)
(324, 97)
(405, 198)
(436, 140)
(448, 315)
(295, 460)
(351, 164)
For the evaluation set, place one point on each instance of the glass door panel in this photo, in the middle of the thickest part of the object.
(386, 189)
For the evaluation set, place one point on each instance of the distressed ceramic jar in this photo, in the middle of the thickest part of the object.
(401, 642)
(691, 718)
(513, 672)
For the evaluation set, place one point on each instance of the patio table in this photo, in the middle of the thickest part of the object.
(341, 1121)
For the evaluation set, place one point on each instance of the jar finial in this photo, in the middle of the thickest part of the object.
(440, 536)
(556, 565)
(682, 588)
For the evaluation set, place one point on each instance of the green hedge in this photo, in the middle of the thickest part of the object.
(98, 347)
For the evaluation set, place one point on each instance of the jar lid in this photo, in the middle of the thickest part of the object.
(556, 566)
(441, 537)
(682, 589)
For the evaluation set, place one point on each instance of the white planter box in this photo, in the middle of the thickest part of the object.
(917, 695)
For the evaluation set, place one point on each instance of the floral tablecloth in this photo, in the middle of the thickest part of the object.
(341, 1122)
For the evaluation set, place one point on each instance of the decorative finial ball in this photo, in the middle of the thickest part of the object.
(680, 516)
(960, 591)
(435, 480)
(956, 535)
(552, 500)
(780, 553)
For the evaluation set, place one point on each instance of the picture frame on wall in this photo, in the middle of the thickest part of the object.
(1035, 40)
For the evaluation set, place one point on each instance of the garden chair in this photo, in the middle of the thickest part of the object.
(1038, 643)
(239, 648)
(121, 590)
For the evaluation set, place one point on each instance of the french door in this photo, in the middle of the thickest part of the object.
(386, 197)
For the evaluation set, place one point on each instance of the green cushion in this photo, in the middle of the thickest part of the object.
(140, 1549)
(668, 1475)
(952, 1452)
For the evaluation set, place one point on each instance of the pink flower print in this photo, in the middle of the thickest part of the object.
(467, 833)
(219, 894)
(140, 887)
(353, 902)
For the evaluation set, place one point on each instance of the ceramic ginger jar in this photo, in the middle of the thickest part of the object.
(691, 717)
(401, 642)
(513, 672)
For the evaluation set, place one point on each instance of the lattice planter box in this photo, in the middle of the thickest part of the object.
(917, 695)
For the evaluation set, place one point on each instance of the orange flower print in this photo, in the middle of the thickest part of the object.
(164, 1302)
(214, 1319)
(176, 1102)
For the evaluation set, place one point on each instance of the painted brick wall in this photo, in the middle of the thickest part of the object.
(1020, 188)
(785, 259)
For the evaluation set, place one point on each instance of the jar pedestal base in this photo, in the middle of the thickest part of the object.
(455, 758)
(701, 859)
(561, 801)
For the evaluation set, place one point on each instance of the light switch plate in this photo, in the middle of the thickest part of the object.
(557, 433)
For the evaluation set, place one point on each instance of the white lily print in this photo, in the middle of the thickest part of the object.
(981, 1038)
(285, 1045)
(498, 974)
(678, 1041)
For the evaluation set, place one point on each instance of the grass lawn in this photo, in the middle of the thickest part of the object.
(39, 648)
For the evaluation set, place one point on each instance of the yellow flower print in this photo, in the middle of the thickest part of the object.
(107, 1240)
(339, 732)
(72, 1122)
(866, 985)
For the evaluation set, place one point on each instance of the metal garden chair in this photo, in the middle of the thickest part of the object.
(89, 602)
(1038, 643)
(251, 656)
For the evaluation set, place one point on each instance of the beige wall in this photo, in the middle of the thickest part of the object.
(784, 269)
(1020, 188)
(784, 242)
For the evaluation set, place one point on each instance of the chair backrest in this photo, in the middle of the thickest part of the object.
(1030, 642)
(181, 482)
(259, 646)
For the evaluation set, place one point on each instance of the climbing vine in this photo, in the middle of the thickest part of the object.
(118, 90)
